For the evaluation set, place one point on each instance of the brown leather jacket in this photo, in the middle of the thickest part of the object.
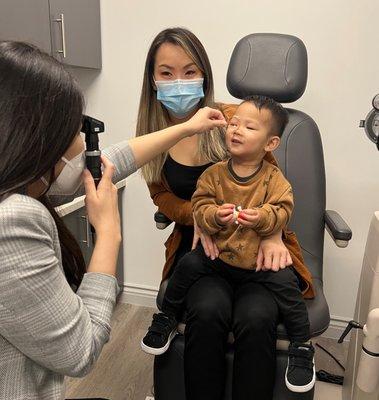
(180, 211)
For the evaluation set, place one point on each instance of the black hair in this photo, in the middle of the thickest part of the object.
(40, 115)
(278, 112)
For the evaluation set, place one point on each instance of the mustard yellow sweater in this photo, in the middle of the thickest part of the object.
(267, 191)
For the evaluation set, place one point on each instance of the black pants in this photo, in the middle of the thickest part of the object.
(283, 284)
(222, 300)
(214, 309)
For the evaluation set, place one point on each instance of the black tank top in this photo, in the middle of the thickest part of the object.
(181, 178)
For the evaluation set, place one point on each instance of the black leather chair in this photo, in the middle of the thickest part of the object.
(276, 65)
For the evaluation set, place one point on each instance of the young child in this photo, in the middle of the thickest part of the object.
(238, 202)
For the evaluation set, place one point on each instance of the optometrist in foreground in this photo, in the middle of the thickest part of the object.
(54, 311)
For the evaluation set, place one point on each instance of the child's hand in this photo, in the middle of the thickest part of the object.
(248, 217)
(224, 214)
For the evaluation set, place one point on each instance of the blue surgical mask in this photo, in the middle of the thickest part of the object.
(181, 96)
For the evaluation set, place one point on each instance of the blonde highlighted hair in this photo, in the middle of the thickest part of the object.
(152, 116)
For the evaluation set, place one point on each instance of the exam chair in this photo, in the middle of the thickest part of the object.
(275, 65)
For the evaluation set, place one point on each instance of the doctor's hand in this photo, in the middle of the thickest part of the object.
(102, 203)
(209, 246)
(273, 254)
(205, 120)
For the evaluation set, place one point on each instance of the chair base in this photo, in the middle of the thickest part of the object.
(169, 375)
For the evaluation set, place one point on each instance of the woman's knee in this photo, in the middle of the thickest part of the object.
(209, 304)
(256, 320)
(255, 312)
(206, 313)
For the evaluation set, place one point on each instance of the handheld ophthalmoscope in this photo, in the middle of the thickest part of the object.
(91, 127)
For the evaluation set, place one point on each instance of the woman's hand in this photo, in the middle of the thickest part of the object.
(102, 203)
(207, 242)
(272, 254)
(204, 120)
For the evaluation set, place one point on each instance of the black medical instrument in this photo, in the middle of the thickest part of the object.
(371, 123)
(91, 127)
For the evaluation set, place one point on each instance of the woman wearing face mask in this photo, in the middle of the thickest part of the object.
(177, 81)
(54, 312)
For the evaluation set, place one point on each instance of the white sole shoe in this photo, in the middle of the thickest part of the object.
(160, 350)
(305, 388)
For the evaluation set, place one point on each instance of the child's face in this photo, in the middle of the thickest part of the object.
(248, 133)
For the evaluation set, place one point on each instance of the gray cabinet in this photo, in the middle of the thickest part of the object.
(75, 32)
(26, 20)
(77, 223)
(69, 30)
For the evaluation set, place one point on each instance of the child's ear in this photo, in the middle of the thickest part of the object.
(272, 143)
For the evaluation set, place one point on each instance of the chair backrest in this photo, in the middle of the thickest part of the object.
(275, 65)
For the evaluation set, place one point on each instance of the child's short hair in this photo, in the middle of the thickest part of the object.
(278, 112)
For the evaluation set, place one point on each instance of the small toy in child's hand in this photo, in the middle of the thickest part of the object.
(236, 212)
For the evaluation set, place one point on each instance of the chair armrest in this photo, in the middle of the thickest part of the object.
(338, 229)
(161, 221)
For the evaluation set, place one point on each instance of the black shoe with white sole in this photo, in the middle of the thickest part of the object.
(158, 337)
(300, 372)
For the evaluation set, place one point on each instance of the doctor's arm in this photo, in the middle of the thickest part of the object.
(42, 316)
(129, 155)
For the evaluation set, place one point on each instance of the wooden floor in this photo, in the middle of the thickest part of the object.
(124, 371)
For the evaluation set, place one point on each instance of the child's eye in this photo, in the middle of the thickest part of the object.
(250, 128)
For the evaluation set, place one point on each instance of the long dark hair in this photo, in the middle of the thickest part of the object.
(152, 116)
(40, 115)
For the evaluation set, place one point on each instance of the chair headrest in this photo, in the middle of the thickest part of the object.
(268, 64)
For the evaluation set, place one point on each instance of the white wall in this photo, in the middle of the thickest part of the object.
(342, 42)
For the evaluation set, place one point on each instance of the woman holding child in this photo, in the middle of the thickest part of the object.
(177, 63)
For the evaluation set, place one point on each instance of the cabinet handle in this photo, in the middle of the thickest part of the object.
(61, 20)
(87, 241)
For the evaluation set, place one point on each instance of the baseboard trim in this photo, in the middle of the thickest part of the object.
(143, 295)
(140, 295)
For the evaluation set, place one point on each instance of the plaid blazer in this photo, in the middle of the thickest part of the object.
(46, 330)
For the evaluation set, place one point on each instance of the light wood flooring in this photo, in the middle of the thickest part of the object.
(125, 372)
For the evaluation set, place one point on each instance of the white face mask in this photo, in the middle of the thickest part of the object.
(70, 178)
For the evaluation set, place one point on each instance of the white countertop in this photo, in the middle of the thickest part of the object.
(77, 203)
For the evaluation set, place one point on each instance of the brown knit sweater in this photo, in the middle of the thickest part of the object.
(267, 191)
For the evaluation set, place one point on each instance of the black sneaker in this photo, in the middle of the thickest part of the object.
(300, 372)
(158, 337)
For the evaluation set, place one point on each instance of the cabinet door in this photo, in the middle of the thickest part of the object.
(27, 21)
(75, 32)
(77, 223)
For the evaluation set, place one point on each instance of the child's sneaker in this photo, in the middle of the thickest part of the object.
(158, 337)
(300, 372)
